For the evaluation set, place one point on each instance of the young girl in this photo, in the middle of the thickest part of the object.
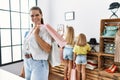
(80, 55)
(68, 52)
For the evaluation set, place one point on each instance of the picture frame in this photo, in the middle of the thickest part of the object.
(69, 15)
(60, 29)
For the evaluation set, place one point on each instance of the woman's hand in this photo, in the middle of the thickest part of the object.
(42, 44)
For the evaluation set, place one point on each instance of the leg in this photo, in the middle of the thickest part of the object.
(61, 55)
(83, 71)
(65, 69)
(27, 69)
(40, 70)
(69, 68)
(78, 71)
(22, 73)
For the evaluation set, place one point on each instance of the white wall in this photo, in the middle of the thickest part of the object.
(45, 7)
(88, 14)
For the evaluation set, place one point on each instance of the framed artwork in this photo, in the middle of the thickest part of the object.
(60, 29)
(69, 15)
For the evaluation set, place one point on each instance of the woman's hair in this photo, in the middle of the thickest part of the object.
(81, 41)
(69, 35)
(40, 11)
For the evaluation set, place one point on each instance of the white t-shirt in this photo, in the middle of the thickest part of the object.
(34, 48)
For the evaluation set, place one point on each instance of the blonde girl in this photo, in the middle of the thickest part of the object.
(68, 52)
(80, 50)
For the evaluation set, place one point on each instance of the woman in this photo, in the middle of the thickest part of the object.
(36, 48)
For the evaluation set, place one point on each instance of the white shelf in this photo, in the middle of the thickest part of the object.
(5, 75)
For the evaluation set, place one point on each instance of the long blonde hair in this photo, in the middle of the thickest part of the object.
(69, 35)
(81, 41)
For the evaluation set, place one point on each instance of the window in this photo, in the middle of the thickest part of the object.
(14, 22)
(4, 4)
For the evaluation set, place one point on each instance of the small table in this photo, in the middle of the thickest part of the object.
(5, 75)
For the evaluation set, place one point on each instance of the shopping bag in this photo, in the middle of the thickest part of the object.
(73, 74)
(54, 57)
(56, 36)
(110, 30)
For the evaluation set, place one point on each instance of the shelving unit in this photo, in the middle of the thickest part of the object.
(105, 60)
(107, 39)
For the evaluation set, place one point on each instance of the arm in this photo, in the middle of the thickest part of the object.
(44, 45)
(74, 58)
(89, 49)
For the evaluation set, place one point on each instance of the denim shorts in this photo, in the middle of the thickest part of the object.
(36, 69)
(68, 53)
(81, 59)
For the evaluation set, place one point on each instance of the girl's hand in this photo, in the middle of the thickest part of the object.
(74, 64)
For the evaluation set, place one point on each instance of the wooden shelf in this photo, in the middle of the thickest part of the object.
(111, 75)
(94, 53)
(107, 36)
(106, 54)
(101, 54)
(111, 20)
(106, 59)
(57, 70)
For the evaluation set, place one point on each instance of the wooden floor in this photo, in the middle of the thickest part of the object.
(55, 77)
(57, 73)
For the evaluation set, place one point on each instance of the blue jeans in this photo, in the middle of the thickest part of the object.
(36, 69)
(68, 53)
(81, 59)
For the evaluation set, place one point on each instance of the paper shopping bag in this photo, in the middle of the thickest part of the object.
(54, 57)
(73, 74)
(56, 36)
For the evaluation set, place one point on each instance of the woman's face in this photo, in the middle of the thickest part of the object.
(36, 16)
